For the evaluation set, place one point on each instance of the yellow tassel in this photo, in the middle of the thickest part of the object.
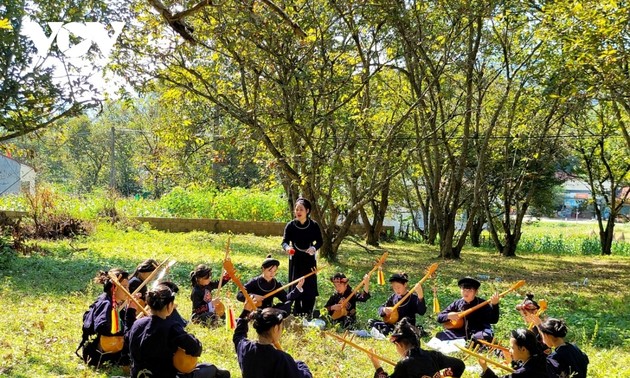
(436, 302)
(381, 277)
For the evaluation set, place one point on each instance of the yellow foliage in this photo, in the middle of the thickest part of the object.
(4, 24)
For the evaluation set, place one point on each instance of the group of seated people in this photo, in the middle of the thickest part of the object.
(151, 340)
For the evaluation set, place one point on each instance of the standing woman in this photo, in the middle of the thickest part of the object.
(566, 360)
(263, 358)
(153, 340)
(302, 239)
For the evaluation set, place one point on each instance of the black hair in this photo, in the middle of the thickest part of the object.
(201, 271)
(266, 318)
(269, 261)
(160, 297)
(526, 339)
(306, 203)
(102, 278)
(146, 266)
(171, 285)
(528, 303)
(406, 333)
(554, 327)
(401, 277)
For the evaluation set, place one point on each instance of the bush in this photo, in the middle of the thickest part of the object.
(7, 253)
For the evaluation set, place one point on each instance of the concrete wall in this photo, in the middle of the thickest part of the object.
(217, 226)
(236, 227)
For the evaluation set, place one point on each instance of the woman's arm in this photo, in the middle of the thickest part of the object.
(185, 340)
(240, 332)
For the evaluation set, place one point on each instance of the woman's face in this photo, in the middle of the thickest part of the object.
(399, 288)
(340, 286)
(269, 273)
(120, 292)
(204, 281)
(401, 349)
(546, 339)
(300, 212)
(518, 352)
(468, 293)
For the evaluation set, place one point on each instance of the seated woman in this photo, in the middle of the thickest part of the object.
(528, 309)
(476, 325)
(142, 272)
(203, 305)
(265, 283)
(413, 305)
(105, 324)
(264, 358)
(139, 276)
(343, 291)
(417, 362)
(153, 341)
(566, 360)
(523, 348)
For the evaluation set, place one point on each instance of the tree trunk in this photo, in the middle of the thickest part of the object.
(476, 230)
(606, 236)
(433, 230)
(328, 250)
(509, 246)
(447, 251)
(379, 208)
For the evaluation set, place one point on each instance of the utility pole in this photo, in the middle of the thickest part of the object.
(112, 169)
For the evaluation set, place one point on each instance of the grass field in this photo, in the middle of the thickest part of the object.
(43, 297)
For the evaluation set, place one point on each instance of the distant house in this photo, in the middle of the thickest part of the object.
(577, 199)
(15, 176)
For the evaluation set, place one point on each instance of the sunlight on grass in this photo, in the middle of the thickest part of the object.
(43, 297)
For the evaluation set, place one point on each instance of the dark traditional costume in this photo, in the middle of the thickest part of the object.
(532, 368)
(422, 363)
(350, 319)
(567, 361)
(264, 360)
(301, 237)
(153, 341)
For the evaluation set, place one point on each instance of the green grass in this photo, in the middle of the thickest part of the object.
(44, 295)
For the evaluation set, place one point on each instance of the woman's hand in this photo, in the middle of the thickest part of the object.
(249, 306)
(311, 251)
(257, 298)
(300, 284)
(419, 292)
(452, 316)
(375, 362)
(335, 307)
(207, 296)
(366, 283)
(483, 364)
(495, 299)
